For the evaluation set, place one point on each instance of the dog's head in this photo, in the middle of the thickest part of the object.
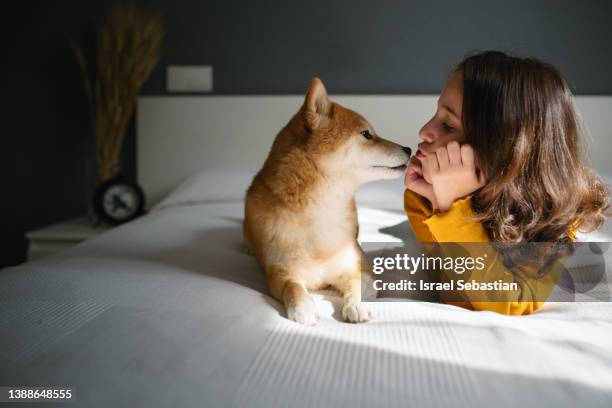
(343, 143)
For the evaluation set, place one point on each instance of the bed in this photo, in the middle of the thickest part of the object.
(168, 310)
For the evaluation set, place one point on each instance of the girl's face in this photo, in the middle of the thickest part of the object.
(445, 126)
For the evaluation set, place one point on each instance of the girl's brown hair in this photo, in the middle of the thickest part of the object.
(519, 116)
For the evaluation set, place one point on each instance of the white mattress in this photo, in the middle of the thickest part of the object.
(168, 311)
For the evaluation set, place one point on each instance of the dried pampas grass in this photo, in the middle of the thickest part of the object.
(128, 46)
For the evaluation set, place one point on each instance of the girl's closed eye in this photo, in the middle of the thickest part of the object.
(447, 127)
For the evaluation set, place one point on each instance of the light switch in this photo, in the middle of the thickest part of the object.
(189, 78)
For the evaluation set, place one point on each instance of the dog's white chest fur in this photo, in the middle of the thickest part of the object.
(322, 241)
(332, 218)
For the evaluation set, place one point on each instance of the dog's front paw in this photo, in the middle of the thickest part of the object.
(305, 312)
(356, 312)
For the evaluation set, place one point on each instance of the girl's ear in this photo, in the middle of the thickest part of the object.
(317, 105)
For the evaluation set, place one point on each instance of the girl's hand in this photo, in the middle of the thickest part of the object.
(415, 181)
(453, 173)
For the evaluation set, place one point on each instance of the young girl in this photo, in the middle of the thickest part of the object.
(501, 160)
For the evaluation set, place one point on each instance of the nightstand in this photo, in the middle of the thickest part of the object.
(57, 237)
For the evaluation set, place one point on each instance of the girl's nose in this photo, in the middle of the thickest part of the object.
(426, 134)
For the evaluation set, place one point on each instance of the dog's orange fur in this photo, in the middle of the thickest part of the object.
(300, 215)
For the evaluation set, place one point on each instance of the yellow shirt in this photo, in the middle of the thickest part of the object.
(458, 225)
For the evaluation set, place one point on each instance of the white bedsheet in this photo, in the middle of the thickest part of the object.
(168, 311)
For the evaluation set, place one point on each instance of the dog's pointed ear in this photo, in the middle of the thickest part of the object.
(317, 106)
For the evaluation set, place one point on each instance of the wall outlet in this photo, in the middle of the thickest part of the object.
(189, 78)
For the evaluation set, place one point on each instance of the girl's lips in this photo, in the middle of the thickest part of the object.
(420, 154)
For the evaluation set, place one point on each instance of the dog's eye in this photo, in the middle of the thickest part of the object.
(366, 134)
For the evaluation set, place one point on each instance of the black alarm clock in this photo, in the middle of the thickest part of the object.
(117, 201)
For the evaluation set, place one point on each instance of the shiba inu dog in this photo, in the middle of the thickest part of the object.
(300, 216)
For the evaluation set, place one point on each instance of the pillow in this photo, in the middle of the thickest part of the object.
(207, 186)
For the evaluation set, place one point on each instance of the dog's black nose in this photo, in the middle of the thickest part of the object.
(407, 150)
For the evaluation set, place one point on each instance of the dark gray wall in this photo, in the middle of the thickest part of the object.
(259, 47)
(380, 46)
